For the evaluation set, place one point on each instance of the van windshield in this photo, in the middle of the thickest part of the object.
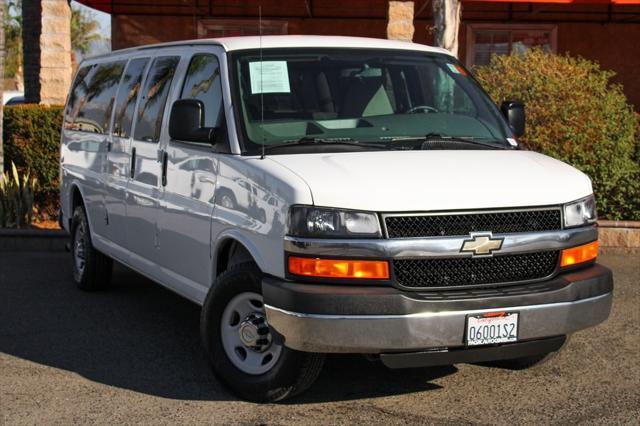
(382, 99)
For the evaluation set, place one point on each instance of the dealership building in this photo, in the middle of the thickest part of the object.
(607, 31)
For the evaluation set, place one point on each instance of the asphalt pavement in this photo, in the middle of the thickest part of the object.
(132, 355)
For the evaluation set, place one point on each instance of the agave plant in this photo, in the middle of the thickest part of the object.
(16, 198)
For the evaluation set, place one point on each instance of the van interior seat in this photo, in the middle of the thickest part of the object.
(310, 96)
(315, 93)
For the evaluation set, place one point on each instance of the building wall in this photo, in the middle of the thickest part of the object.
(611, 44)
(134, 30)
(614, 46)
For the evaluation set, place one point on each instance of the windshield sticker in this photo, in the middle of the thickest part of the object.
(269, 77)
(512, 142)
(457, 69)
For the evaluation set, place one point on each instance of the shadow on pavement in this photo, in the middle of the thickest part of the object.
(141, 337)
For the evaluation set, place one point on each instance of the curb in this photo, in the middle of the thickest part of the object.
(33, 239)
(619, 234)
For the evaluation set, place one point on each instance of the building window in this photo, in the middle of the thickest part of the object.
(484, 40)
(212, 28)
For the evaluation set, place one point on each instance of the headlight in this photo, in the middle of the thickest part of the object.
(581, 212)
(319, 222)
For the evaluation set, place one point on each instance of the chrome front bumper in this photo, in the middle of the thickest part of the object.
(317, 318)
(381, 333)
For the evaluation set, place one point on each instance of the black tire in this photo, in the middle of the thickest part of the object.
(292, 373)
(95, 272)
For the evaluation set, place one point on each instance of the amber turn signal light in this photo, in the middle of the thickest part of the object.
(339, 268)
(580, 254)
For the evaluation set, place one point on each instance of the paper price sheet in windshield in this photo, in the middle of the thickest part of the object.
(269, 77)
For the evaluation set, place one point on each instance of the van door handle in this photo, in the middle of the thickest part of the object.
(165, 160)
(109, 146)
(133, 162)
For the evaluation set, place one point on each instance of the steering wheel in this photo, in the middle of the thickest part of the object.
(424, 108)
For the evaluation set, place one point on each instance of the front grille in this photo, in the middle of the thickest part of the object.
(469, 271)
(462, 224)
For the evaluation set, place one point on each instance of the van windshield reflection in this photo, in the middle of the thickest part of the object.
(363, 95)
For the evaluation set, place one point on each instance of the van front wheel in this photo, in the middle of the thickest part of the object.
(240, 346)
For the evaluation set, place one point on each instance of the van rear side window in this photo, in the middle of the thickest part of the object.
(127, 97)
(93, 98)
(77, 95)
(156, 90)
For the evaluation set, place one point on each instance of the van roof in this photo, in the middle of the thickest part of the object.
(283, 41)
(275, 41)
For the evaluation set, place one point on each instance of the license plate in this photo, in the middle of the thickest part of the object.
(492, 328)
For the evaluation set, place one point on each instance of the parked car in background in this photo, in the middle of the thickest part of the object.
(12, 98)
(327, 195)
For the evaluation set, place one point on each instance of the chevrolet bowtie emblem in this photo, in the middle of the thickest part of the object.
(481, 244)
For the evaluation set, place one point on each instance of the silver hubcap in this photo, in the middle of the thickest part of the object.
(79, 248)
(246, 337)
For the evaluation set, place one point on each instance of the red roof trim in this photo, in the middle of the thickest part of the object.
(107, 5)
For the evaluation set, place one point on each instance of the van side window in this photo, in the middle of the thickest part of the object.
(155, 93)
(77, 95)
(95, 99)
(203, 83)
(95, 115)
(127, 97)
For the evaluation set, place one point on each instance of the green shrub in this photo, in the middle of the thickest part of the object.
(16, 198)
(576, 115)
(32, 142)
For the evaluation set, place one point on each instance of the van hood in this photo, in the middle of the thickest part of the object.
(393, 181)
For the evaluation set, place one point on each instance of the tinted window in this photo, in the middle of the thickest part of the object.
(127, 97)
(156, 90)
(391, 98)
(203, 83)
(77, 95)
(94, 114)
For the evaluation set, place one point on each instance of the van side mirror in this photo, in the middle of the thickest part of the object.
(186, 122)
(513, 111)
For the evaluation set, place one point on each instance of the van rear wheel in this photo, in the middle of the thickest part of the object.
(240, 346)
(91, 269)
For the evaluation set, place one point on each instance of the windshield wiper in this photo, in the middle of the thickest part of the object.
(308, 141)
(433, 137)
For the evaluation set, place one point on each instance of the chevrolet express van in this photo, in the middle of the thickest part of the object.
(327, 195)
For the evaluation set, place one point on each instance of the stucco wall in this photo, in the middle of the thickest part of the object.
(612, 44)
(135, 30)
(615, 46)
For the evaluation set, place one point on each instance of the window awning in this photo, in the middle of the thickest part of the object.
(604, 2)
(168, 7)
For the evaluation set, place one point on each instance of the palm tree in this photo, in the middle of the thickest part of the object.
(446, 23)
(13, 41)
(84, 30)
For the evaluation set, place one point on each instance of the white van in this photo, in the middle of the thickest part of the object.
(327, 195)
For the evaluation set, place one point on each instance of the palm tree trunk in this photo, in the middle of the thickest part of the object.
(446, 23)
